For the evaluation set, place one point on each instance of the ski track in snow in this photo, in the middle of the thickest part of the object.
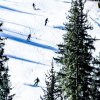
(98, 23)
(15, 10)
(28, 42)
(23, 59)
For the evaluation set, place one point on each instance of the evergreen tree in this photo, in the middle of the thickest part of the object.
(96, 77)
(75, 55)
(99, 4)
(52, 91)
(4, 77)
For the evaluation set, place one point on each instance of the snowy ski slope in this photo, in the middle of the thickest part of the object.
(31, 59)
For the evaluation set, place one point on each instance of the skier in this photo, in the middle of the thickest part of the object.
(29, 36)
(36, 81)
(34, 6)
(46, 20)
(0, 26)
(1, 51)
(1, 23)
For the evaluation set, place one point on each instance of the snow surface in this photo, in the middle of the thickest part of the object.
(31, 59)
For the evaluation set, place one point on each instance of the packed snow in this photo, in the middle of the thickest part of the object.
(31, 59)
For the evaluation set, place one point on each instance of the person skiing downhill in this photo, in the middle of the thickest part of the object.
(0, 26)
(34, 6)
(36, 81)
(46, 20)
(29, 36)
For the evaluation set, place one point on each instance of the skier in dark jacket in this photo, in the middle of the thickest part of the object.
(36, 81)
(34, 6)
(29, 36)
(1, 51)
(0, 26)
(46, 20)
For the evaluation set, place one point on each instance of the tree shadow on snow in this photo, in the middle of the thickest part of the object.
(31, 85)
(28, 42)
(23, 59)
(15, 10)
(66, 2)
(59, 27)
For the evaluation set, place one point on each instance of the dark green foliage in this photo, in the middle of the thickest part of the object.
(96, 77)
(75, 55)
(99, 4)
(52, 91)
(4, 77)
